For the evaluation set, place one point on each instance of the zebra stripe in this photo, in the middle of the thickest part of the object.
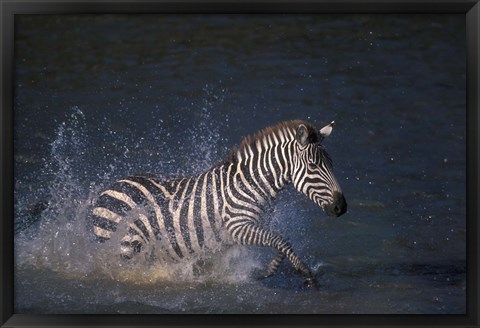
(223, 205)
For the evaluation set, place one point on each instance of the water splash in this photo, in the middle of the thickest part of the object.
(61, 242)
(66, 166)
(55, 244)
(207, 131)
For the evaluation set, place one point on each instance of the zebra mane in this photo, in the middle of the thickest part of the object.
(250, 140)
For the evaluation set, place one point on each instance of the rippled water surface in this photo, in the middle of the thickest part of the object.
(101, 97)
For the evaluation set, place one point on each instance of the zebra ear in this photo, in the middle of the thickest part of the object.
(327, 129)
(302, 135)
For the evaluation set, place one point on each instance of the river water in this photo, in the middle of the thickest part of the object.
(98, 97)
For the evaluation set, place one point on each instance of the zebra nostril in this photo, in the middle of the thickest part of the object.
(340, 205)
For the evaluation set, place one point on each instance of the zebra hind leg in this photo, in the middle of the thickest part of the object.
(130, 246)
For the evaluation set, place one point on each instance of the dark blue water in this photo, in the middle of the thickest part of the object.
(101, 97)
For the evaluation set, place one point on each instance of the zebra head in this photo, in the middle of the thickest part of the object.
(312, 172)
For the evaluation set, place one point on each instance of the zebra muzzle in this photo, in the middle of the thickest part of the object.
(338, 206)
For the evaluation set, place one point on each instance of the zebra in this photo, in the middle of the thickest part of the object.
(226, 204)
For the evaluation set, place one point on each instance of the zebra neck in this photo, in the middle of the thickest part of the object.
(265, 172)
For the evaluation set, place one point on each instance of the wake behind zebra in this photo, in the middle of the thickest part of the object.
(224, 205)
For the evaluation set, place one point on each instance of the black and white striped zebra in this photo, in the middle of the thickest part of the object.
(224, 205)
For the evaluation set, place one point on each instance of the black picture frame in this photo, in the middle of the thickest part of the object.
(8, 10)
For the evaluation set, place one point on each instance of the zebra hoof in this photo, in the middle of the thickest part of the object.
(311, 283)
(259, 274)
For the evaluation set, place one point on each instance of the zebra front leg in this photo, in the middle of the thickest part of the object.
(251, 234)
(274, 264)
(272, 267)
